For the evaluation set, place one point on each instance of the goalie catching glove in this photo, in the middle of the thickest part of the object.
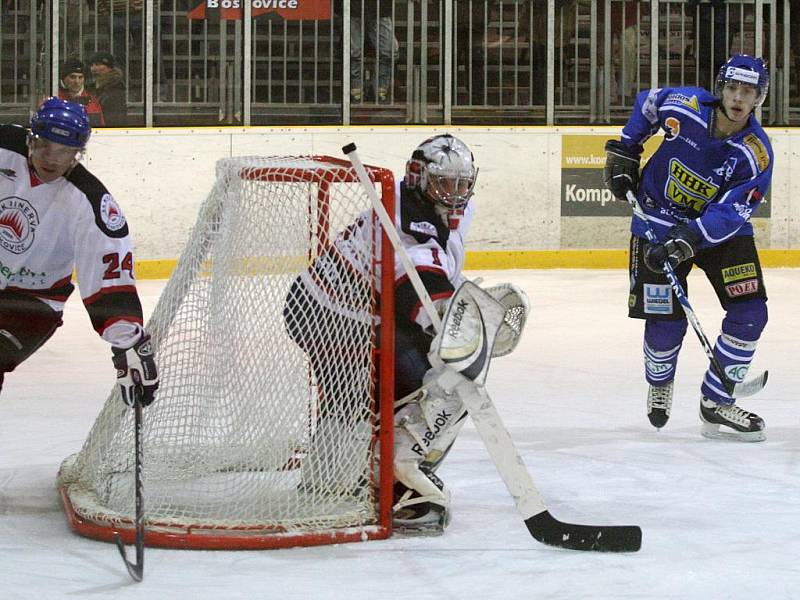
(137, 375)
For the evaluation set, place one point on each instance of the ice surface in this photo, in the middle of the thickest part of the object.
(720, 519)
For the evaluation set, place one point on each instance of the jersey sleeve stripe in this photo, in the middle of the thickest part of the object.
(686, 113)
(116, 289)
(109, 322)
(58, 292)
(406, 300)
(402, 279)
(434, 297)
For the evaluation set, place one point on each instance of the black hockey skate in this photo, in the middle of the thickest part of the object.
(659, 404)
(738, 423)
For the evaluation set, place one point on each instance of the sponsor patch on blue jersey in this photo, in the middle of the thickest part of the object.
(683, 100)
(759, 151)
(657, 299)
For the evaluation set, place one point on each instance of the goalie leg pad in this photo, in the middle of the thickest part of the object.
(425, 430)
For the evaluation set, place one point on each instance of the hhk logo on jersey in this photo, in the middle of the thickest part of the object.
(111, 213)
(687, 188)
(233, 10)
(18, 223)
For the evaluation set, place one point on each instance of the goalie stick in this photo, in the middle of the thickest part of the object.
(136, 570)
(733, 388)
(540, 523)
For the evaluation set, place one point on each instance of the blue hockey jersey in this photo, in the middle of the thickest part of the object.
(713, 185)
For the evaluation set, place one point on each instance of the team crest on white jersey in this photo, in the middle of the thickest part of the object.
(18, 223)
(423, 227)
(111, 213)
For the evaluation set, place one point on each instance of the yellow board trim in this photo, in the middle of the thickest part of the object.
(522, 259)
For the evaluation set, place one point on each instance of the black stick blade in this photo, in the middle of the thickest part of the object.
(613, 538)
(136, 571)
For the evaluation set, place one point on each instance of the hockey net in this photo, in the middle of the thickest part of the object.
(236, 451)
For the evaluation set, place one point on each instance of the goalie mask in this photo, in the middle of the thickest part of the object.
(744, 70)
(442, 168)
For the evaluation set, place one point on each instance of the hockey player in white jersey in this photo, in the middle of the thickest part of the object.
(55, 216)
(432, 216)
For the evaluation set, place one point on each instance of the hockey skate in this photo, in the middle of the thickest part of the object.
(738, 423)
(659, 404)
(415, 516)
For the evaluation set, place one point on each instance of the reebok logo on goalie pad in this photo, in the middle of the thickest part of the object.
(439, 423)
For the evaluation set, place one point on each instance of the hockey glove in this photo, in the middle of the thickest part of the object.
(137, 374)
(680, 245)
(621, 172)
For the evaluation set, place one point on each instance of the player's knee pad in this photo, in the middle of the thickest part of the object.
(745, 320)
(663, 334)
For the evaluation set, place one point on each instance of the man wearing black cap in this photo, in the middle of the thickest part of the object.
(109, 87)
(72, 75)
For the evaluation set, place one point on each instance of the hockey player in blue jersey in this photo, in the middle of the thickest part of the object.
(698, 190)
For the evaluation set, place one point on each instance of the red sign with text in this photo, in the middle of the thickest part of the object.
(292, 10)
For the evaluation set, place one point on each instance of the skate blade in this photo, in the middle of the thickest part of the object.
(713, 431)
(417, 530)
(433, 525)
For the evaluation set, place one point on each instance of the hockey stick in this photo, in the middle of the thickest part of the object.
(136, 570)
(734, 389)
(540, 523)
(467, 353)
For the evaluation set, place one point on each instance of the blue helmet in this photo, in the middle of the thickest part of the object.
(62, 122)
(744, 69)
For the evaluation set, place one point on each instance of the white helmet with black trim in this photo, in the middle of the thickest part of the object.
(443, 169)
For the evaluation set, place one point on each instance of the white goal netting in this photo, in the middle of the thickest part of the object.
(264, 425)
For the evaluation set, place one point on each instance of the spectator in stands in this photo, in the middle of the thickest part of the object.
(538, 45)
(373, 17)
(73, 88)
(709, 15)
(109, 87)
(126, 27)
(627, 62)
(470, 24)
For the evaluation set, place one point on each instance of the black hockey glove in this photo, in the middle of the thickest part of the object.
(137, 374)
(680, 245)
(621, 172)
